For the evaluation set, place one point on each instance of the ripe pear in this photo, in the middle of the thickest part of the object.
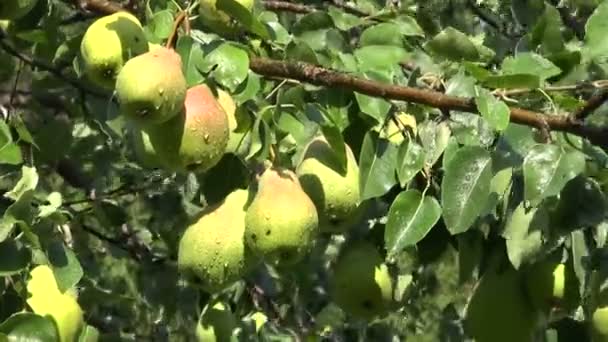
(143, 149)
(47, 300)
(218, 20)
(15, 9)
(282, 221)
(498, 310)
(212, 252)
(361, 284)
(108, 44)
(599, 324)
(334, 192)
(216, 324)
(195, 139)
(237, 141)
(151, 88)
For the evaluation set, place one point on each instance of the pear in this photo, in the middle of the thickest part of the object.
(599, 324)
(47, 300)
(545, 284)
(212, 252)
(237, 141)
(281, 222)
(108, 44)
(361, 284)
(216, 324)
(396, 128)
(498, 310)
(218, 20)
(15, 9)
(335, 192)
(151, 88)
(143, 149)
(196, 138)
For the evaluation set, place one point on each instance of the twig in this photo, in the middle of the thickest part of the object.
(172, 40)
(592, 104)
(312, 74)
(274, 5)
(349, 9)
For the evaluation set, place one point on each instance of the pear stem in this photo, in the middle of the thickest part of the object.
(181, 17)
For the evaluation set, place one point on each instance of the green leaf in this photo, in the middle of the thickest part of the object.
(531, 64)
(230, 63)
(377, 163)
(54, 200)
(11, 154)
(580, 252)
(512, 81)
(300, 51)
(375, 107)
(344, 21)
(245, 17)
(434, 138)
(495, 111)
(89, 334)
(547, 169)
(382, 34)
(373, 57)
(14, 257)
(26, 326)
(524, 233)
(411, 216)
(454, 45)
(314, 21)
(465, 187)
(28, 182)
(65, 264)
(161, 24)
(596, 39)
(410, 161)
(336, 141)
(192, 55)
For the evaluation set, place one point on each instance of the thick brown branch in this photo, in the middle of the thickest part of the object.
(100, 6)
(312, 74)
(273, 5)
(594, 103)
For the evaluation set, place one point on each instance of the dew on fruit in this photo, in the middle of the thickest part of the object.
(206, 137)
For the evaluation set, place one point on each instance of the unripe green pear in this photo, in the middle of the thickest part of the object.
(108, 44)
(237, 141)
(143, 149)
(334, 192)
(217, 20)
(599, 324)
(196, 138)
(361, 284)
(396, 128)
(151, 88)
(281, 222)
(212, 251)
(498, 310)
(16, 9)
(216, 324)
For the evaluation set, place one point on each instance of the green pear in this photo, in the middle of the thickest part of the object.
(335, 192)
(217, 20)
(151, 88)
(108, 44)
(238, 140)
(212, 251)
(143, 149)
(361, 284)
(498, 310)
(281, 222)
(195, 139)
(395, 128)
(15, 9)
(216, 324)
(599, 324)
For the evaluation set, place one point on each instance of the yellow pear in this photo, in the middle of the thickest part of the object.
(216, 324)
(218, 20)
(361, 284)
(47, 300)
(237, 141)
(151, 88)
(281, 222)
(16, 9)
(108, 44)
(397, 127)
(212, 251)
(335, 192)
(195, 139)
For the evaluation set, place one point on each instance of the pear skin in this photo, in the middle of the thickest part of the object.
(281, 222)
(195, 139)
(216, 323)
(335, 192)
(361, 284)
(151, 88)
(212, 251)
(108, 44)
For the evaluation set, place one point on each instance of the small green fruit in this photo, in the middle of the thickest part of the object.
(195, 139)
(216, 324)
(599, 324)
(212, 252)
(217, 20)
(16, 9)
(361, 284)
(108, 44)
(335, 192)
(281, 222)
(545, 284)
(498, 310)
(151, 88)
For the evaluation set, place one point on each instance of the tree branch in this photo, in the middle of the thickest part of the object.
(592, 104)
(312, 74)
(274, 5)
(99, 6)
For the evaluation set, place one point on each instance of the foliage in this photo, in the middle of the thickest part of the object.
(444, 192)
